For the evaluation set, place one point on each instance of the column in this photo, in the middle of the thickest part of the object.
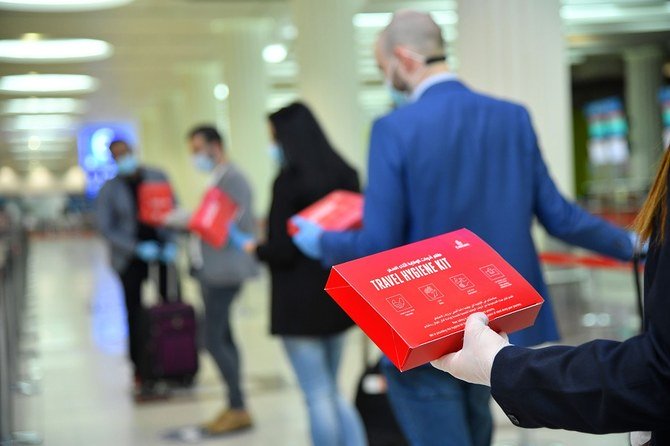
(188, 183)
(242, 43)
(515, 49)
(643, 81)
(328, 72)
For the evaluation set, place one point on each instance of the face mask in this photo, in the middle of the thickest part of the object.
(202, 162)
(399, 98)
(127, 165)
(277, 154)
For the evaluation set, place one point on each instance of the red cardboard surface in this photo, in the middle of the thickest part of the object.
(340, 210)
(154, 202)
(212, 218)
(413, 301)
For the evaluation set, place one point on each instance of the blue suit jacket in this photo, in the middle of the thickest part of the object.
(458, 159)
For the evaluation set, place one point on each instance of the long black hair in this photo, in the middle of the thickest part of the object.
(307, 151)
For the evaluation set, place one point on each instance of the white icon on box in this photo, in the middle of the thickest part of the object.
(399, 303)
(431, 292)
(491, 272)
(462, 282)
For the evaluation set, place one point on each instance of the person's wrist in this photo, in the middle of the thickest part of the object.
(249, 247)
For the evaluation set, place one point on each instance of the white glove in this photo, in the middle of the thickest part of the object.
(474, 361)
(640, 438)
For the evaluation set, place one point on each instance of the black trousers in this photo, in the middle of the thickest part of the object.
(138, 331)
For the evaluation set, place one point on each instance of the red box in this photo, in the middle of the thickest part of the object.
(213, 216)
(340, 210)
(154, 202)
(412, 301)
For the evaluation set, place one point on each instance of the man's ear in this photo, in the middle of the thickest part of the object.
(405, 58)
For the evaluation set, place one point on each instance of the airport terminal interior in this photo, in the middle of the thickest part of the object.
(76, 75)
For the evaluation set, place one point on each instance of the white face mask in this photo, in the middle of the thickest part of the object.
(203, 162)
(399, 98)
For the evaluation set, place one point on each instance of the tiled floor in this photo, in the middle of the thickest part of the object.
(82, 379)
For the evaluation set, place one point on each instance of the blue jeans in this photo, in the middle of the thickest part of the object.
(434, 408)
(219, 339)
(333, 420)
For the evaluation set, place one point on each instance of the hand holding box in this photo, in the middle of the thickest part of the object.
(211, 220)
(413, 301)
(340, 210)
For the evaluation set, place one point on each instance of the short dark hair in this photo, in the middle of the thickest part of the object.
(208, 132)
(119, 141)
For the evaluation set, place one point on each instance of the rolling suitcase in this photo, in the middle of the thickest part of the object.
(171, 350)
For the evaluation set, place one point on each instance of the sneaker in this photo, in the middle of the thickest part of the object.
(228, 421)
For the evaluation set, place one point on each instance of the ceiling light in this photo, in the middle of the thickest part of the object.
(275, 53)
(381, 19)
(31, 36)
(40, 122)
(221, 92)
(47, 83)
(33, 50)
(30, 106)
(60, 5)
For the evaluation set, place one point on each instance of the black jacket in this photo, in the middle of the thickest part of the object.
(602, 386)
(300, 306)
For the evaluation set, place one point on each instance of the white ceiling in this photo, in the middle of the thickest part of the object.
(153, 39)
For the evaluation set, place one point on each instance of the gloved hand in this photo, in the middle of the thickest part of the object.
(638, 248)
(473, 363)
(308, 237)
(169, 252)
(240, 239)
(148, 251)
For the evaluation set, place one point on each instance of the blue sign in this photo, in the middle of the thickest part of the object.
(94, 155)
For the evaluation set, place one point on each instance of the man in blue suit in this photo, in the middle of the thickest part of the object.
(452, 158)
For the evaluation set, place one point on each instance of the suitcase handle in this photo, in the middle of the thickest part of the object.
(171, 278)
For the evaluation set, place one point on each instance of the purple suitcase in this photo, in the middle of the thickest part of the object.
(171, 348)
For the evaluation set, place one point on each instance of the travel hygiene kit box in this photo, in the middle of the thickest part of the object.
(413, 301)
(154, 201)
(340, 210)
(213, 216)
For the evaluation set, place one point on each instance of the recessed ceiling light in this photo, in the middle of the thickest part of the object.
(47, 83)
(31, 36)
(40, 122)
(35, 50)
(30, 106)
(275, 53)
(221, 92)
(60, 5)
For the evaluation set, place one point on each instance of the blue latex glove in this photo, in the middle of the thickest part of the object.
(169, 253)
(308, 237)
(238, 238)
(148, 251)
(640, 249)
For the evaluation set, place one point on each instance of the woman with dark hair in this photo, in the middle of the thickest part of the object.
(310, 324)
(599, 387)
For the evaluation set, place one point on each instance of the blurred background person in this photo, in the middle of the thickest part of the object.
(221, 273)
(311, 325)
(133, 245)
